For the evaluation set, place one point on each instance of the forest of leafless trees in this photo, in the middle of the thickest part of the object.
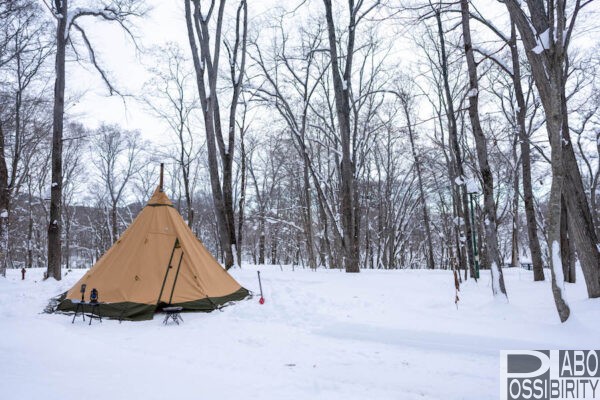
(351, 134)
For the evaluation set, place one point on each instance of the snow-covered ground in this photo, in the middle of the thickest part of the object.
(320, 335)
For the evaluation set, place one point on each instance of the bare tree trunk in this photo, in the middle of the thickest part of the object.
(209, 120)
(341, 86)
(54, 228)
(29, 260)
(567, 250)
(534, 242)
(554, 121)
(489, 206)
(426, 222)
(67, 252)
(461, 201)
(582, 232)
(113, 222)
(274, 242)
(4, 205)
(327, 257)
(261, 239)
(308, 224)
(205, 61)
(185, 170)
(515, 258)
(242, 200)
(548, 67)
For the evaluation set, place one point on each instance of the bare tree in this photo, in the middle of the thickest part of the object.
(291, 80)
(482, 156)
(206, 57)
(25, 49)
(146, 178)
(521, 114)
(73, 175)
(408, 107)
(172, 100)
(456, 162)
(342, 87)
(546, 32)
(68, 18)
(117, 153)
(265, 175)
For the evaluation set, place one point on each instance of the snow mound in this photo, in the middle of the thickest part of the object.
(320, 335)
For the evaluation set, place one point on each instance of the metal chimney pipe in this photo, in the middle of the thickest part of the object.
(160, 185)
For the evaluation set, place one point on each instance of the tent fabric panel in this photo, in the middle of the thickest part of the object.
(212, 278)
(110, 266)
(135, 276)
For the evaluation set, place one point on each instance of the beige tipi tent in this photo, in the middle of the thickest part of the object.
(158, 261)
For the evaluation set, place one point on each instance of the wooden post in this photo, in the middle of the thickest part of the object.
(160, 184)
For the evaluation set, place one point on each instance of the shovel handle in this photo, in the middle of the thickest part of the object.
(260, 285)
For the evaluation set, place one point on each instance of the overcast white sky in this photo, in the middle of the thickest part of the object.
(128, 67)
(165, 22)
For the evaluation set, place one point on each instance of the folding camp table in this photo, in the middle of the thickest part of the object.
(173, 313)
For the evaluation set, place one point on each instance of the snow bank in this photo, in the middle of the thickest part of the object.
(320, 335)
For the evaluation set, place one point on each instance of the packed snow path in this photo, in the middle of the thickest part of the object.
(320, 335)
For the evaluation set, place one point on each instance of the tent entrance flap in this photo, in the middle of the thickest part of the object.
(169, 279)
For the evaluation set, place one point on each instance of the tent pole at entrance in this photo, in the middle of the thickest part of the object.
(175, 246)
(176, 275)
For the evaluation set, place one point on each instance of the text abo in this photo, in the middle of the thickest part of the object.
(549, 374)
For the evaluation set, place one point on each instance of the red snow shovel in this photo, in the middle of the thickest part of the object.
(262, 299)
